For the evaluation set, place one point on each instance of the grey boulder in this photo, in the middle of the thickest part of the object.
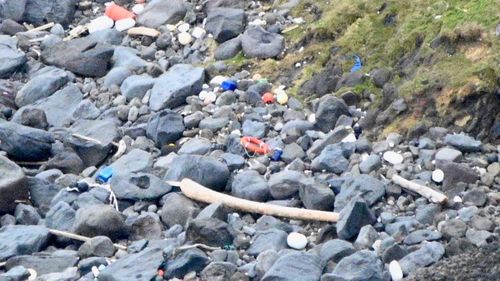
(83, 56)
(46, 82)
(13, 10)
(258, 43)
(369, 188)
(13, 185)
(99, 220)
(329, 110)
(165, 127)
(362, 265)
(205, 170)
(25, 143)
(172, 88)
(136, 86)
(42, 11)
(353, 217)
(11, 59)
(429, 253)
(250, 185)
(463, 142)
(18, 240)
(159, 12)
(295, 266)
(138, 187)
(225, 23)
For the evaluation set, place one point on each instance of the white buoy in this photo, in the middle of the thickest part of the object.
(396, 271)
(184, 38)
(124, 24)
(100, 23)
(296, 241)
(393, 157)
(438, 176)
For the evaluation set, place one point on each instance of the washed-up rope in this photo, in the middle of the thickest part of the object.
(113, 201)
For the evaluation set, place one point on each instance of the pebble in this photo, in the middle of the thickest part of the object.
(396, 271)
(124, 24)
(198, 32)
(138, 8)
(282, 98)
(183, 27)
(296, 241)
(100, 23)
(393, 157)
(184, 38)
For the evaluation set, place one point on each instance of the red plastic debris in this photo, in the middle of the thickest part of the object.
(116, 12)
(268, 98)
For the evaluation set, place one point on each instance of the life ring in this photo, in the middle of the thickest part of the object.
(255, 145)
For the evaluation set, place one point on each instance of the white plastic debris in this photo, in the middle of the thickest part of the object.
(396, 271)
(296, 241)
(457, 199)
(393, 157)
(198, 32)
(257, 22)
(138, 8)
(124, 24)
(33, 274)
(281, 97)
(95, 271)
(100, 23)
(184, 38)
(438, 176)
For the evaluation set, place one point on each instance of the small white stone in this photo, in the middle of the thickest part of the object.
(396, 271)
(298, 20)
(457, 199)
(138, 8)
(33, 274)
(296, 241)
(217, 80)
(257, 22)
(184, 27)
(312, 118)
(210, 97)
(124, 24)
(203, 95)
(393, 157)
(184, 38)
(100, 23)
(438, 175)
(198, 32)
(95, 271)
(376, 245)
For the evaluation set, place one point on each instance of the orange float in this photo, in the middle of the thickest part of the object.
(116, 12)
(255, 145)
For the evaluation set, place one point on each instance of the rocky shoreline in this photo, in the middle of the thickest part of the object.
(93, 127)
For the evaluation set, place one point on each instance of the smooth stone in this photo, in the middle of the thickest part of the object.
(296, 241)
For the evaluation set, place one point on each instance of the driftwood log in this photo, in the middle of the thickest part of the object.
(200, 193)
(427, 192)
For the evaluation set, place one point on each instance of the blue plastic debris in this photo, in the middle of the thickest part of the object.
(357, 64)
(277, 152)
(229, 85)
(105, 174)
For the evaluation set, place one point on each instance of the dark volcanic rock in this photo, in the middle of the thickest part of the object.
(165, 127)
(42, 11)
(295, 266)
(18, 240)
(25, 143)
(225, 23)
(13, 185)
(82, 56)
(209, 231)
(204, 170)
(100, 220)
(11, 59)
